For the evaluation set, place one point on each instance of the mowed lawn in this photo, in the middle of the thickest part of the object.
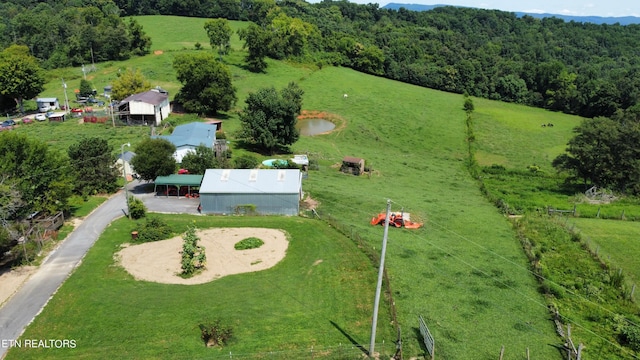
(319, 297)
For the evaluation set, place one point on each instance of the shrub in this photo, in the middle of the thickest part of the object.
(153, 229)
(551, 288)
(246, 162)
(215, 334)
(137, 208)
(313, 164)
(628, 332)
(248, 243)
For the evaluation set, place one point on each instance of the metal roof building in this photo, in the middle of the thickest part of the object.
(263, 191)
(187, 137)
(180, 185)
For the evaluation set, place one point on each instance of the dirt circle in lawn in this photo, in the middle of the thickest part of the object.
(159, 261)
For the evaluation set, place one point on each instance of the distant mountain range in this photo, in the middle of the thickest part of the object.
(625, 20)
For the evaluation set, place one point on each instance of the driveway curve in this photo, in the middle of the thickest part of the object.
(20, 310)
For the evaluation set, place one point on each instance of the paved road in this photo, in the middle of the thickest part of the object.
(18, 312)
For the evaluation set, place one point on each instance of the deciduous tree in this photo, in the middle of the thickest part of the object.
(154, 157)
(269, 118)
(140, 41)
(199, 161)
(206, 83)
(92, 162)
(128, 83)
(20, 75)
(86, 89)
(41, 175)
(605, 153)
(219, 33)
(256, 41)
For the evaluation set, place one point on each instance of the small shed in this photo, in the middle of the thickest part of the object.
(352, 165)
(47, 104)
(264, 191)
(178, 185)
(125, 160)
(57, 116)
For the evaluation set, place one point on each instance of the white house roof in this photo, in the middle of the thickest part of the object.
(49, 100)
(127, 156)
(251, 181)
(153, 97)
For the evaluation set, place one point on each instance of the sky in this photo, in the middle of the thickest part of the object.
(614, 8)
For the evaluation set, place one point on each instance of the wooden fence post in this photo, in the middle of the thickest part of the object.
(502, 352)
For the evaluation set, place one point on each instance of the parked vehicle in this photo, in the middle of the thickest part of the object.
(8, 123)
(41, 117)
(27, 120)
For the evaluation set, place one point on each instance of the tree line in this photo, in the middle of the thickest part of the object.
(578, 68)
(62, 33)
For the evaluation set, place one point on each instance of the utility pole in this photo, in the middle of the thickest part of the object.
(113, 119)
(66, 99)
(124, 175)
(376, 304)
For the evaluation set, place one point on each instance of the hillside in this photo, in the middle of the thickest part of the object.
(465, 272)
(623, 20)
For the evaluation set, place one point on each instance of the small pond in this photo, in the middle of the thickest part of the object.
(273, 162)
(310, 127)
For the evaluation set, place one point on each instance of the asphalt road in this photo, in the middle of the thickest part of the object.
(18, 312)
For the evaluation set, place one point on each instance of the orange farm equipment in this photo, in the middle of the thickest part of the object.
(397, 219)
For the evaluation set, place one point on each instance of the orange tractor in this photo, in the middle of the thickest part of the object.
(397, 219)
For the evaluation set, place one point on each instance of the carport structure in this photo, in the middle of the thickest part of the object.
(178, 185)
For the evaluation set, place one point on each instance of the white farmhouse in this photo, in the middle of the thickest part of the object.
(147, 108)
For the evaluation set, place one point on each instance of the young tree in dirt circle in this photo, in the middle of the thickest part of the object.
(154, 157)
(269, 119)
(193, 255)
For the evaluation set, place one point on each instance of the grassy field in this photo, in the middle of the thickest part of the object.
(611, 238)
(464, 272)
(313, 298)
(513, 135)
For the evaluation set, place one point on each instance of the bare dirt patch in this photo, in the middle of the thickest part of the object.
(309, 203)
(12, 279)
(159, 261)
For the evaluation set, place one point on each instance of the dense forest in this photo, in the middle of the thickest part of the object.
(578, 68)
(67, 33)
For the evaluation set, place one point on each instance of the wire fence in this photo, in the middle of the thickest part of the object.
(339, 352)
